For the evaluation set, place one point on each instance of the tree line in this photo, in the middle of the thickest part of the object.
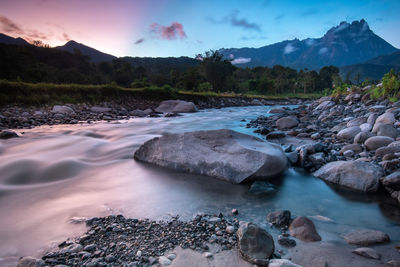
(208, 72)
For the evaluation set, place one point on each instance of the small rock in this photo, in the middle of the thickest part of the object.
(171, 256)
(235, 212)
(164, 261)
(286, 242)
(208, 254)
(230, 229)
(304, 229)
(282, 263)
(366, 237)
(7, 134)
(279, 218)
(367, 252)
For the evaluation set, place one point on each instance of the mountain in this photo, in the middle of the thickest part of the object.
(93, 54)
(5, 39)
(373, 69)
(345, 44)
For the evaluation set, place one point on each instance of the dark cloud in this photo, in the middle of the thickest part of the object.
(8, 26)
(280, 16)
(172, 32)
(66, 37)
(235, 21)
(139, 41)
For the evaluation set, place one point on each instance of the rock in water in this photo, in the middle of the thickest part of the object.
(7, 134)
(358, 175)
(368, 253)
(30, 262)
(176, 106)
(262, 187)
(224, 154)
(287, 122)
(255, 244)
(279, 218)
(282, 263)
(304, 229)
(62, 109)
(366, 237)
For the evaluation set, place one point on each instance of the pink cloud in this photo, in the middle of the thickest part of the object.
(172, 32)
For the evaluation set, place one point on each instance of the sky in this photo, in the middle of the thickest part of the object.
(160, 28)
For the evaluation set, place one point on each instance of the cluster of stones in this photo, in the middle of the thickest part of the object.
(356, 140)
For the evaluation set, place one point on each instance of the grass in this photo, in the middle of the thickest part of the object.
(36, 94)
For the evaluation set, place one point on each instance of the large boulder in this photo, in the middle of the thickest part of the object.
(287, 122)
(392, 181)
(255, 244)
(386, 118)
(357, 175)
(304, 229)
(376, 142)
(348, 134)
(176, 106)
(62, 109)
(366, 237)
(387, 130)
(325, 105)
(224, 154)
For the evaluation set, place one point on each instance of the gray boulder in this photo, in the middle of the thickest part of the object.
(255, 244)
(361, 137)
(392, 181)
(372, 118)
(367, 253)
(376, 142)
(176, 106)
(386, 118)
(224, 154)
(387, 130)
(304, 229)
(325, 105)
(279, 218)
(348, 134)
(357, 175)
(366, 127)
(356, 122)
(382, 151)
(282, 263)
(287, 122)
(366, 237)
(62, 109)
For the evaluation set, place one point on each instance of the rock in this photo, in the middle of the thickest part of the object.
(366, 127)
(256, 102)
(282, 263)
(317, 158)
(292, 157)
(382, 151)
(275, 135)
(325, 105)
(348, 133)
(176, 106)
(73, 248)
(235, 212)
(286, 242)
(348, 153)
(254, 243)
(171, 256)
(376, 142)
(354, 147)
(361, 137)
(387, 130)
(30, 262)
(276, 110)
(304, 229)
(164, 261)
(138, 113)
(372, 118)
(356, 122)
(99, 109)
(394, 263)
(315, 136)
(366, 237)
(280, 218)
(367, 252)
(262, 187)
(357, 175)
(392, 181)
(7, 134)
(208, 254)
(287, 122)
(386, 118)
(224, 154)
(62, 109)
(230, 229)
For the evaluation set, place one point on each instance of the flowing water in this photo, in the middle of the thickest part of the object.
(53, 175)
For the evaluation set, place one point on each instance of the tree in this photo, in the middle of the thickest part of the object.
(326, 77)
(216, 69)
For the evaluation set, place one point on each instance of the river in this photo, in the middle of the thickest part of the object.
(55, 174)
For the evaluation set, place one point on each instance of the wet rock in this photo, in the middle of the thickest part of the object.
(176, 106)
(292, 157)
(7, 134)
(367, 253)
(366, 237)
(376, 142)
(280, 218)
(275, 135)
(276, 110)
(262, 187)
(348, 133)
(286, 242)
(62, 109)
(317, 158)
(282, 263)
(287, 122)
(224, 154)
(304, 229)
(254, 243)
(30, 262)
(357, 175)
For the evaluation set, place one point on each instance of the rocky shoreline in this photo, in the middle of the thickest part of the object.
(18, 117)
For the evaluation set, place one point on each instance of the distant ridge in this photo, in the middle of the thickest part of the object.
(345, 44)
(94, 55)
(5, 39)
